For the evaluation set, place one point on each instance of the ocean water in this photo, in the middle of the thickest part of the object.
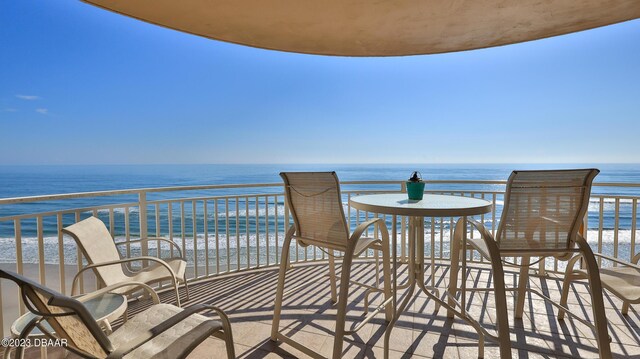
(18, 181)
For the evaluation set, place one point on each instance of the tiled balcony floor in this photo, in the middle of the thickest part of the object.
(308, 316)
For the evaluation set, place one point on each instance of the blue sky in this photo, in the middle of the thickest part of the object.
(80, 85)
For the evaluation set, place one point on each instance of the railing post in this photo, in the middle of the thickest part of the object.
(144, 233)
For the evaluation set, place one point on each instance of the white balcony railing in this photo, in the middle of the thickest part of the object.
(230, 228)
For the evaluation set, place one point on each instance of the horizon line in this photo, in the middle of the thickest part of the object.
(318, 164)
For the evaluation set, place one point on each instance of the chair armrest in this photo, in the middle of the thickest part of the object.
(148, 335)
(482, 247)
(172, 243)
(357, 233)
(490, 250)
(617, 260)
(120, 261)
(571, 263)
(481, 228)
(631, 264)
(101, 291)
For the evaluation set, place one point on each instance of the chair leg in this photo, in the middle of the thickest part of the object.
(597, 302)
(227, 333)
(342, 301)
(186, 286)
(522, 288)
(332, 277)
(456, 243)
(284, 262)
(19, 350)
(377, 255)
(569, 276)
(625, 308)
(502, 321)
(228, 337)
(386, 272)
(175, 289)
(566, 284)
(502, 317)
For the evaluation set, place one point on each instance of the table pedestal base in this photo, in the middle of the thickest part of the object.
(416, 279)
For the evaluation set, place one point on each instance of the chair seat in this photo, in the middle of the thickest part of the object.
(174, 342)
(624, 282)
(480, 246)
(363, 244)
(156, 272)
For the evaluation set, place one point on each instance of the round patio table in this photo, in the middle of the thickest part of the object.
(432, 205)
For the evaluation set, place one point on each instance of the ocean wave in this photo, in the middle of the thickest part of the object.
(594, 204)
(242, 212)
(30, 248)
(119, 210)
(609, 205)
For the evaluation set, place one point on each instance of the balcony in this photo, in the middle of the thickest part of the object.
(232, 236)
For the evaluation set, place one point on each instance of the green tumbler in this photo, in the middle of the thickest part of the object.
(415, 190)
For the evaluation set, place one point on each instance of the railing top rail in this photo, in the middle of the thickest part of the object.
(130, 191)
(62, 212)
(136, 191)
(616, 184)
(106, 193)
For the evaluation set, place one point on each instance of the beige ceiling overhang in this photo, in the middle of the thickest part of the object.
(376, 27)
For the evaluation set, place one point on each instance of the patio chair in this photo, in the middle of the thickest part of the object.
(316, 207)
(542, 214)
(622, 281)
(99, 248)
(161, 331)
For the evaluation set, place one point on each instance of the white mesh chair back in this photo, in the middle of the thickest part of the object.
(69, 318)
(543, 210)
(316, 206)
(97, 245)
